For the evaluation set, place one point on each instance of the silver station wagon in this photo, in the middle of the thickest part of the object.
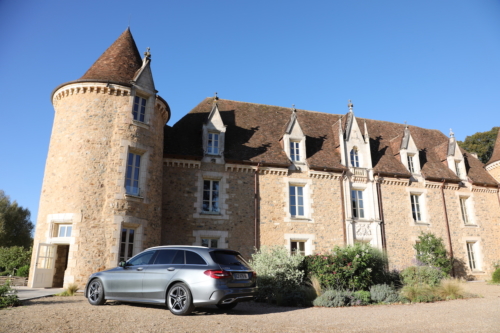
(183, 277)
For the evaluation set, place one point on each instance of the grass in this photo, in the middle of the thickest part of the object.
(316, 284)
(70, 291)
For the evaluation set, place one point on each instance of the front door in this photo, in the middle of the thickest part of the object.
(44, 266)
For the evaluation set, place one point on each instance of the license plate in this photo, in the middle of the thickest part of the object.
(240, 276)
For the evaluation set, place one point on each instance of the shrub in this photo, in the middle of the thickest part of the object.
(13, 257)
(70, 291)
(417, 293)
(382, 293)
(279, 276)
(337, 298)
(354, 267)
(495, 277)
(8, 300)
(23, 271)
(450, 289)
(432, 252)
(416, 275)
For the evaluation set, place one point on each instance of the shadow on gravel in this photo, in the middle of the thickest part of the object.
(243, 309)
(29, 302)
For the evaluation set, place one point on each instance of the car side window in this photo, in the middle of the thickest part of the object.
(165, 257)
(194, 259)
(179, 258)
(142, 259)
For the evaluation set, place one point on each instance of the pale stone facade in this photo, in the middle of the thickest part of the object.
(241, 175)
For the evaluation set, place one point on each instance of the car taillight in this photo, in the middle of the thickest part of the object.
(213, 273)
(254, 274)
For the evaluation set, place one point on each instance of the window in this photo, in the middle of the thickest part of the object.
(165, 257)
(295, 151)
(463, 208)
(145, 258)
(139, 110)
(194, 259)
(127, 244)
(354, 157)
(472, 255)
(132, 175)
(298, 247)
(358, 210)
(210, 242)
(457, 169)
(411, 168)
(211, 196)
(64, 230)
(415, 207)
(213, 144)
(297, 200)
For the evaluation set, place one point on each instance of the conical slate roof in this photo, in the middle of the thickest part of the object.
(495, 156)
(118, 63)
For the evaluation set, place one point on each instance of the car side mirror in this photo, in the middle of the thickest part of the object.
(122, 264)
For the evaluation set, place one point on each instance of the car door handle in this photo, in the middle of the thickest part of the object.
(171, 269)
(140, 268)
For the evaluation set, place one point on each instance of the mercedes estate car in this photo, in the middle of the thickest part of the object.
(183, 277)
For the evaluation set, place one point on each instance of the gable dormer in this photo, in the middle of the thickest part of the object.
(356, 145)
(214, 132)
(294, 142)
(455, 158)
(143, 92)
(409, 153)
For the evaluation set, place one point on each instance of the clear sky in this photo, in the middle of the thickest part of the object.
(432, 63)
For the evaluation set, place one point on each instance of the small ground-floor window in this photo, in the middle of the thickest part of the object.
(210, 242)
(298, 246)
(127, 244)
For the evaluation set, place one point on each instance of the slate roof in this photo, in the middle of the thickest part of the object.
(118, 63)
(495, 156)
(254, 134)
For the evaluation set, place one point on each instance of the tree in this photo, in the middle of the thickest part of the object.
(432, 252)
(15, 224)
(481, 143)
(14, 257)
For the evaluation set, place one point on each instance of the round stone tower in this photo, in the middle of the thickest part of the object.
(101, 193)
(493, 165)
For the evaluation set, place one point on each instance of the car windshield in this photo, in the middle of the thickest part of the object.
(228, 258)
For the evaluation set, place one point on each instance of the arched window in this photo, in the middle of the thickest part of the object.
(354, 157)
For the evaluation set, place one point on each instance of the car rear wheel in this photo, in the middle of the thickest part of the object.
(227, 306)
(179, 300)
(96, 293)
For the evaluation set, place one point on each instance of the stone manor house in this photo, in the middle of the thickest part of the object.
(242, 175)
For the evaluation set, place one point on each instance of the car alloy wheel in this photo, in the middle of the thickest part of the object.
(96, 292)
(179, 300)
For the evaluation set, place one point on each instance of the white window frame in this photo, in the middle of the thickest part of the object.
(411, 162)
(422, 204)
(213, 143)
(211, 200)
(416, 210)
(295, 151)
(354, 157)
(296, 196)
(65, 227)
(307, 199)
(308, 240)
(127, 245)
(220, 235)
(473, 251)
(134, 177)
(458, 169)
(300, 246)
(139, 107)
(356, 199)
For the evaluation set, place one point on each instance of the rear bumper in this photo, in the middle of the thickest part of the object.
(228, 296)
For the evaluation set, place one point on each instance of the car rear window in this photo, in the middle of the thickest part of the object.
(227, 258)
(194, 259)
(165, 257)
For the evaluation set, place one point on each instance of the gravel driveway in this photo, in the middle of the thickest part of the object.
(74, 314)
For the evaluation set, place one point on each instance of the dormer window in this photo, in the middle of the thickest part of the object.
(354, 157)
(139, 110)
(457, 169)
(295, 150)
(213, 144)
(411, 166)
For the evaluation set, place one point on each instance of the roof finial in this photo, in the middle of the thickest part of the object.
(147, 54)
(452, 135)
(406, 125)
(350, 106)
(215, 96)
(293, 108)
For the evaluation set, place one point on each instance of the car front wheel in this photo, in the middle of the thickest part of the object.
(179, 300)
(96, 293)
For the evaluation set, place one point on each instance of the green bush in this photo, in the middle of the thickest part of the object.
(23, 271)
(495, 277)
(416, 275)
(432, 252)
(14, 257)
(337, 298)
(354, 267)
(8, 300)
(382, 293)
(279, 276)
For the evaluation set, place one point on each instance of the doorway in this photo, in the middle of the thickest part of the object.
(61, 263)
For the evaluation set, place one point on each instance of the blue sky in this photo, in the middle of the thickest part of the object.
(432, 63)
